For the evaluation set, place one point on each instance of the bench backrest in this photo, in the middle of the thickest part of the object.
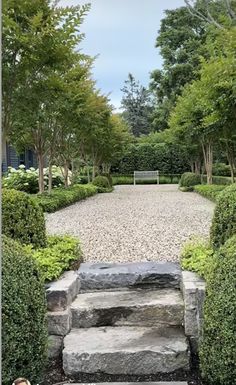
(144, 175)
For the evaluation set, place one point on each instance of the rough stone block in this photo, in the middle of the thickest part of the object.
(105, 276)
(126, 350)
(129, 307)
(61, 293)
(59, 323)
(193, 289)
(55, 345)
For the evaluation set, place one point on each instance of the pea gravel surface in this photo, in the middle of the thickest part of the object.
(134, 223)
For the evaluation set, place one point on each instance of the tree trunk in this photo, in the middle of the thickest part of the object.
(94, 172)
(88, 174)
(40, 166)
(231, 160)
(50, 177)
(192, 166)
(197, 167)
(208, 159)
(66, 172)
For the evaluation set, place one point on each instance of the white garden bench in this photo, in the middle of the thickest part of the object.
(146, 175)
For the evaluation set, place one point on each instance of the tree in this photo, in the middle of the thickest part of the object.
(205, 113)
(116, 145)
(213, 12)
(31, 100)
(180, 40)
(137, 106)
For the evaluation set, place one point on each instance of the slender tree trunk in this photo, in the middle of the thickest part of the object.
(72, 171)
(88, 174)
(208, 159)
(192, 166)
(66, 172)
(50, 177)
(197, 167)
(94, 172)
(231, 160)
(40, 166)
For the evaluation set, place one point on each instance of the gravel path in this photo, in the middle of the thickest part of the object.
(134, 223)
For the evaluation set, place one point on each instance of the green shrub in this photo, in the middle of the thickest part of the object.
(61, 197)
(101, 181)
(209, 191)
(196, 256)
(61, 254)
(21, 179)
(224, 220)
(22, 218)
(24, 332)
(81, 179)
(122, 180)
(128, 179)
(109, 177)
(189, 179)
(221, 180)
(167, 158)
(218, 347)
(27, 180)
(222, 169)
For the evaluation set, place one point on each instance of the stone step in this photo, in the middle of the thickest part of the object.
(132, 383)
(130, 308)
(125, 350)
(107, 276)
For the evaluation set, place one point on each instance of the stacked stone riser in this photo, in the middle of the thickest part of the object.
(124, 319)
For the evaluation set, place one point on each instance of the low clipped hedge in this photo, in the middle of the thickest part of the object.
(218, 346)
(22, 218)
(224, 219)
(61, 254)
(24, 331)
(189, 179)
(62, 197)
(221, 180)
(163, 179)
(209, 191)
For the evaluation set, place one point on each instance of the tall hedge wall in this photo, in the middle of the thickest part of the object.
(167, 158)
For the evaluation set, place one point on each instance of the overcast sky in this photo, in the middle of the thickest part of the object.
(123, 34)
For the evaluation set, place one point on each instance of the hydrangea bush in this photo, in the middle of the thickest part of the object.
(27, 179)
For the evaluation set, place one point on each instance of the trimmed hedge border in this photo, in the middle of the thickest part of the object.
(210, 192)
(129, 179)
(24, 332)
(60, 198)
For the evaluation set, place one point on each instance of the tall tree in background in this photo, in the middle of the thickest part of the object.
(137, 106)
(180, 41)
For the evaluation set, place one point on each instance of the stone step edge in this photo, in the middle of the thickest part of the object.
(103, 276)
(128, 308)
(127, 383)
(61, 293)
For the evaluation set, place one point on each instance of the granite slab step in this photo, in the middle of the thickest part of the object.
(130, 308)
(107, 276)
(125, 350)
(131, 383)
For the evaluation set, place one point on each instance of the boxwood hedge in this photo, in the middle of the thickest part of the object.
(218, 347)
(22, 218)
(24, 332)
(224, 220)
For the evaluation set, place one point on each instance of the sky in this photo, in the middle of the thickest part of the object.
(122, 33)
